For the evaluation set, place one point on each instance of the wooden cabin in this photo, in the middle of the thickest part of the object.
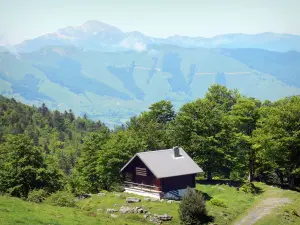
(160, 174)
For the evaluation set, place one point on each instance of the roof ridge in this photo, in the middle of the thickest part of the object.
(156, 150)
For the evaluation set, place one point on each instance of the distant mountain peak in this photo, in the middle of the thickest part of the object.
(100, 36)
(98, 26)
(90, 27)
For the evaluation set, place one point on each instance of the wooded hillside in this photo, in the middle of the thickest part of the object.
(230, 136)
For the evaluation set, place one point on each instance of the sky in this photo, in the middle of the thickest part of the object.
(26, 19)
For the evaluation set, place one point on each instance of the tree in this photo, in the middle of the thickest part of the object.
(87, 165)
(192, 209)
(115, 154)
(162, 112)
(22, 168)
(203, 131)
(278, 138)
(245, 114)
(153, 134)
(222, 97)
(152, 126)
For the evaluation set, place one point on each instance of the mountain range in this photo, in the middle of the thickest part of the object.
(112, 75)
(95, 35)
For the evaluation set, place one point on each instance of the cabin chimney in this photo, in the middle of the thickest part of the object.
(176, 151)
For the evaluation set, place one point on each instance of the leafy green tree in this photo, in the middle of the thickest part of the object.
(278, 138)
(115, 154)
(222, 97)
(202, 130)
(245, 114)
(22, 167)
(153, 134)
(152, 126)
(162, 112)
(87, 165)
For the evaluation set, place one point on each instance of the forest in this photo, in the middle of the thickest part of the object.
(230, 136)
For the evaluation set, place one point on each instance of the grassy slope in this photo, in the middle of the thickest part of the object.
(14, 211)
(278, 214)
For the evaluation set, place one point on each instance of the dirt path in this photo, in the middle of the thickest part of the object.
(261, 209)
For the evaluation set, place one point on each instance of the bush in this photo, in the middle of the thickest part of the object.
(295, 213)
(249, 187)
(61, 198)
(116, 187)
(218, 202)
(237, 176)
(192, 209)
(37, 196)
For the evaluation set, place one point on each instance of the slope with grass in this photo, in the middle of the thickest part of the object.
(225, 205)
(274, 206)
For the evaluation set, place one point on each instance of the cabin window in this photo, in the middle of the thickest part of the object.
(141, 171)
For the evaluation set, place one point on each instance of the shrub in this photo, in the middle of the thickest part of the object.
(218, 202)
(87, 208)
(237, 176)
(249, 187)
(37, 196)
(116, 187)
(192, 209)
(61, 198)
(295, 213)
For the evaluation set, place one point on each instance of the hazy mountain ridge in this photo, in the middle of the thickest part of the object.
(95, 35)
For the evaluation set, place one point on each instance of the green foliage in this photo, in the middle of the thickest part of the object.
(116, 187)
(249, 187)
(277, 139)
(205, 131)
(218, 202)
(46, 152)
(230, 136)
(23, 168)
(77, 184)
(295, 213)
(192, 209)
(61, 198)
(245, 114)
(152, 126)
(87, 165)
(162, 112)
(114, 155)
(37, 196)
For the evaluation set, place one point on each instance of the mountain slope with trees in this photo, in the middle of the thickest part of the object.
(229, 135)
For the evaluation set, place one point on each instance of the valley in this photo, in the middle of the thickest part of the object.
(113, 86)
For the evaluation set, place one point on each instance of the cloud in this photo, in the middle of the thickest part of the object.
(5, 43)
(138, 46)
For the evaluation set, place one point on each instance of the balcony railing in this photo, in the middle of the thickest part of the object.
(142, 187)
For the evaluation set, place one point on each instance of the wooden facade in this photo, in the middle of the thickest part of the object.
(138, 172)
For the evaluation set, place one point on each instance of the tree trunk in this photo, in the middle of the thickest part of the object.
(292, 182)
(280, 175)
(251, 170)
(209, 175)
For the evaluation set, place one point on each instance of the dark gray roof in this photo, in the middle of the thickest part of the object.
(162, 163)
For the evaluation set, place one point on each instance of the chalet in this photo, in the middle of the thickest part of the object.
(160, 174)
